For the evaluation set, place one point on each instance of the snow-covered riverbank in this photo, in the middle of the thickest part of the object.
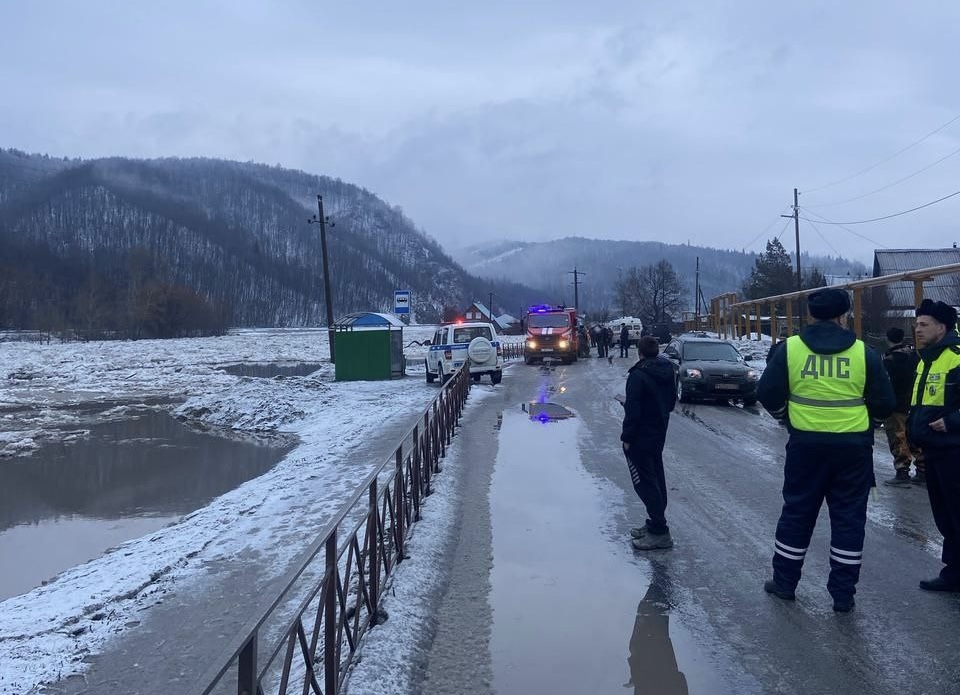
(46, 633)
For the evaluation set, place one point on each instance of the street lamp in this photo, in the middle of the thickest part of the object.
(322, 221)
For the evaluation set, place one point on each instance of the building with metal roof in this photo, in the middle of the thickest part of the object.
(945, 288)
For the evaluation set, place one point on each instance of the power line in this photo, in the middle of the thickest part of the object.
(889, 185)
(897, 214)
(884, 161)
(766, 229)
(820, 234)
(824, 220)
(785, 225)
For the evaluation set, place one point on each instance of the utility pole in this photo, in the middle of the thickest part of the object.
(620, 291)
(576, 288)
(490, 306)
(796, 229)
(696, 298)
(322, 221)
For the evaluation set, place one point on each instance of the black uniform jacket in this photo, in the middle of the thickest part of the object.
(901, 363)
(827, 338)
(918, 422)
(651, 395)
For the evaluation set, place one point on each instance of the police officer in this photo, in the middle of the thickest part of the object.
(934, 425)
(829, 386)
(901, 364)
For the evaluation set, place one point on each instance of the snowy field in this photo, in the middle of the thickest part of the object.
(46, 633)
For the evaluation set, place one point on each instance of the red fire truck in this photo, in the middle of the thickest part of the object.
(551, 333)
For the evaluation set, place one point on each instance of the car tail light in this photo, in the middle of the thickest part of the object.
(499, 351)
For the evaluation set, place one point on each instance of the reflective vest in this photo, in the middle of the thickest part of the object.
(826, 391)
(930, 391)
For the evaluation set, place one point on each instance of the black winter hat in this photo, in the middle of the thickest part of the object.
(944, 313)
(895, 335)
(828, 303)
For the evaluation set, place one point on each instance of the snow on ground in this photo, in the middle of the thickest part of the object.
(45, 634)
(385, 662)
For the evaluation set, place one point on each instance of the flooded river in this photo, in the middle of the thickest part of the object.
(70, 501)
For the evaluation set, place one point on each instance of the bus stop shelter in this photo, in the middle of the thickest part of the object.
(369, 347)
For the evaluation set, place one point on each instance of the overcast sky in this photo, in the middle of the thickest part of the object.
(679, 121)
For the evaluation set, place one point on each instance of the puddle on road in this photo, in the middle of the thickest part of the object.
(547, 412)
(574, 610)
(67, 503)
(269, 370)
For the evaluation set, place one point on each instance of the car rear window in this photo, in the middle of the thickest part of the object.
(468, 333)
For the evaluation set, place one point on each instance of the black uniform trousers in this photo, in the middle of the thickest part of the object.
(842, 475)
(645, 462)
(943, 487)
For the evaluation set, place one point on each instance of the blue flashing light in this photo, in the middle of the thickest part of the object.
(540, 308)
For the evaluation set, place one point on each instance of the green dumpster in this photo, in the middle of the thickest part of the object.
(369, 347)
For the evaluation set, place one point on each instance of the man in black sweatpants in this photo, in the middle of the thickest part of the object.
(650, 396)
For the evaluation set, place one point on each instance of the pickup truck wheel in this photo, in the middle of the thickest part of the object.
(430, 377)
(443, 377)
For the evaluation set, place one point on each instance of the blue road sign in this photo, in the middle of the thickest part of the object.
(401, 302)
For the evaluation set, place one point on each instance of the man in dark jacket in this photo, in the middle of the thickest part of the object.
(901, 364)
(934, 425)
(650, 396)
(602, 344)
(624, 340)
(832, 390)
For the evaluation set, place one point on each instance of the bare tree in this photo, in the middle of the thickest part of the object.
(661, 293)
(654, 293)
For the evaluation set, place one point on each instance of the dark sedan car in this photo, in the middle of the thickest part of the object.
(711, 368)
(660, 331)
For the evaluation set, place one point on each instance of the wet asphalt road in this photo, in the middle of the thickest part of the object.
(572, 608)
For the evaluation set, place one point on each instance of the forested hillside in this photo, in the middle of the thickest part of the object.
(145, 245)
(549, 265)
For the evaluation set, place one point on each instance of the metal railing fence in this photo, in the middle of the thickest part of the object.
(360, 548)
(512, 351)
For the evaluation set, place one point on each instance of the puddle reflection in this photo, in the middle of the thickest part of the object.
(547, 412)
(652, 660)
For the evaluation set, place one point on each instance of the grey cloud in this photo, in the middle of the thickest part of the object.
(530, 120)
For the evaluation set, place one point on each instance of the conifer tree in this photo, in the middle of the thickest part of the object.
(772, 273)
